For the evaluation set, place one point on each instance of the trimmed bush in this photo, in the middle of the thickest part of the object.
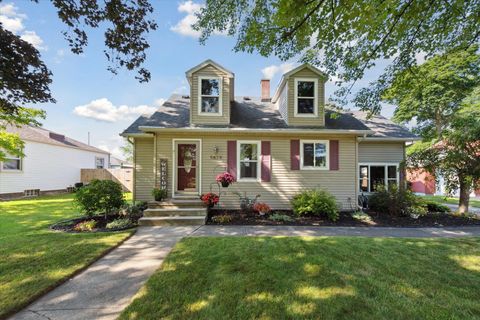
(121, 223)
(316, 202)
(85, 226)
(100, 196)
(436, 207)
(396, 202)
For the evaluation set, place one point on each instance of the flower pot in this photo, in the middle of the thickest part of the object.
(225, 184)
(261, 213)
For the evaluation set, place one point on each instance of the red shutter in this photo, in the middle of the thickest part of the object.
(334, 155)
(232, 158)
(266, 162)
(295, 154)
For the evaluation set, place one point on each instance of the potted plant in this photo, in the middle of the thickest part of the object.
(225, 179)
(159, 194)
(210, 199)
(262, 208)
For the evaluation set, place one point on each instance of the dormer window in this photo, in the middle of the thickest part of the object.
(306, 97)
(210, 97)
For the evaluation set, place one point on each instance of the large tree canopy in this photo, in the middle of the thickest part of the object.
(346, 37)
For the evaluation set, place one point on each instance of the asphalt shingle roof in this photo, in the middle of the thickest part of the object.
(251, 113)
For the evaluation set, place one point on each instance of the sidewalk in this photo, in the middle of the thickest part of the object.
(107, 286)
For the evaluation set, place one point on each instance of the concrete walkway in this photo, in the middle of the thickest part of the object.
(107, 286)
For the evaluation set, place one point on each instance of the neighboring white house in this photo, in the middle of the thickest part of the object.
(117, 163)
(52, 162)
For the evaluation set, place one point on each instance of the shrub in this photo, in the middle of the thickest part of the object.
(262, 207)
(280, 217)
(121, 223)
(224, 218)
(436, 207)
(159, 194)
(316, 202)
(133, 211)
(361, 216)
(78, 185)
(100, 196)
(85, 225)
(396, 202)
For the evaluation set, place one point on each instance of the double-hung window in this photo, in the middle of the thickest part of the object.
(248, 160)
(99, 163)
(306, 97)
(373, 176)
(210, 98)
(12, 163)
(314, 154)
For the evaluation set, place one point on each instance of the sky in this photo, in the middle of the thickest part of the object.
(90, 99)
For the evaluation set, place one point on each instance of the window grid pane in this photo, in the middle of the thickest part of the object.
(248, 160)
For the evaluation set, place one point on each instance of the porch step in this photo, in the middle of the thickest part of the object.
(172, 221)
(176, 203)
(175, 212)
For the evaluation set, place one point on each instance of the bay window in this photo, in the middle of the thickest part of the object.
(372, 176)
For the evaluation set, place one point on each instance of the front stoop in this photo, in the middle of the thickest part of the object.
(174, 212)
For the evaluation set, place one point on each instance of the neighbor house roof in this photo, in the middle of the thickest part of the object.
(251, 113)
(42, 135)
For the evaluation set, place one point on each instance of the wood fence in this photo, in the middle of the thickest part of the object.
(122, 176)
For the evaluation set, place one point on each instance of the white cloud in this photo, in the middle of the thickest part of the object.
(112, 145)
(103, 110)
(181, 89)
(270, 71)
(12, 20)
(184, 26)
(34, 39)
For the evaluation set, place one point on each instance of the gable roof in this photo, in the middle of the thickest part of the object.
(206, 63)
(383, 127)
(42, 135)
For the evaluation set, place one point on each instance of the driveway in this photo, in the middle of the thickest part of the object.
(107, 286)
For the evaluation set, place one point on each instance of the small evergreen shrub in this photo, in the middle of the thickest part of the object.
(436, 207)
(396, 202)
(316, 202)
(100, 196)
(222, 219)
(121, 223)
(280, 217)
(85, 226)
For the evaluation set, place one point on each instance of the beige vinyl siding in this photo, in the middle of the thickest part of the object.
(282, 103)
(305, 121)
(144, 170)
(284, 183)
(381, 152)
(211, 71)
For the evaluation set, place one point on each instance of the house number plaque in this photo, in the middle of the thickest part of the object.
(163, 173)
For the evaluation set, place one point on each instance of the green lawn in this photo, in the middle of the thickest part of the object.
(314, 278)
(33, 258)
(451, 200)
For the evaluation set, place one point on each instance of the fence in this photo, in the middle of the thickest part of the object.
(122, 176)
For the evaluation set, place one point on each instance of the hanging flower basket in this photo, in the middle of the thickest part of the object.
(225, 179)
(210, 199)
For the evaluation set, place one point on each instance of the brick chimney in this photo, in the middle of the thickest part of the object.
(265, 87)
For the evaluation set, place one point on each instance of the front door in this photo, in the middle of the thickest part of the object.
(186, 168)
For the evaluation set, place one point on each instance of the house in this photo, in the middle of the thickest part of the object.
(52, 162)
(275, 146)
(117, 163)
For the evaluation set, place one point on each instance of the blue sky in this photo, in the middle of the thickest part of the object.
(91, 99)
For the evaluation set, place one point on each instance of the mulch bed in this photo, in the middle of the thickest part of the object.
(346, 220)
(100, 226)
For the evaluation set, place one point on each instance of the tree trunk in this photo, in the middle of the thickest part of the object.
(464, 195)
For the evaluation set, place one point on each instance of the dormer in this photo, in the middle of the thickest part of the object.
(211, 93)
(300, 96)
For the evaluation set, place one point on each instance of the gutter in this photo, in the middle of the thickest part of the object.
(242, 130)
(386, 139)
(136, 135)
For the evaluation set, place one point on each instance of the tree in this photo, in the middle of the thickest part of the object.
(432, 93)
(127, 150)
(345, 38)
(25, 79)
(456, 155)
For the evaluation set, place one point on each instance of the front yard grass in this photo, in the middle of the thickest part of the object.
(451, 200)
(314, 278)
(33, 258)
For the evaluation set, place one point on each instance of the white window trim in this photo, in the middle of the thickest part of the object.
(220, 105)
(12, 170)
(258, 143)
(315, 98)
(327, 162)
(376, 164)
(97, 158)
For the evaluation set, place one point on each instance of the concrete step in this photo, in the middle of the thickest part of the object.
(172, 221)
(175, 212)
(176, 203)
